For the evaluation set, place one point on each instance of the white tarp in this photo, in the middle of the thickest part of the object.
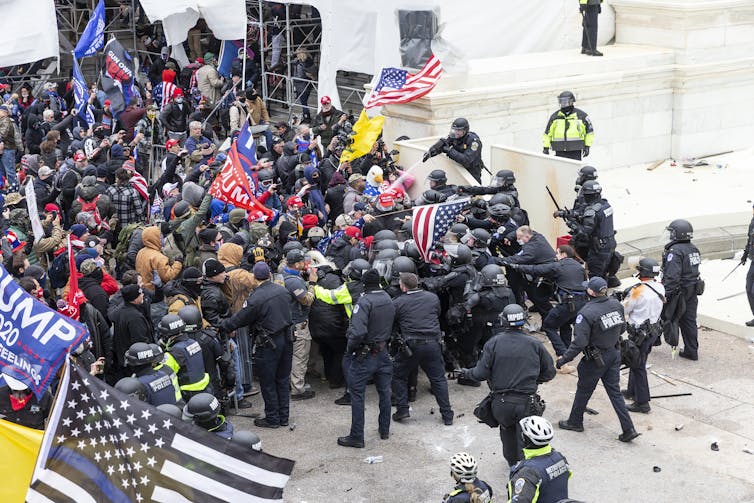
(28, 31)
(225, 18)
(364, 36)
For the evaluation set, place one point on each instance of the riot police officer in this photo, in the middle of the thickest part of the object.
(542, 476)
(643, 304)
(749, 251)
(680, 277)
(268, 316)
(491, 295)
(503, 182)
(513, 364)
(417, 319)
(568, 275)
(569, 131)
(368, 335)
(184, 356)
(462, 146)
(438, 181)
(217, 360)
(597, 333)
(479, 241)
(204, 411)
(160, 384)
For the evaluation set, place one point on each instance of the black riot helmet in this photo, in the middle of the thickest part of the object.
(503, 198)
(566, 99)
(131, 386)
(499, 211)
(292, 245)
(247, 439)
(479, 208)
(459, 128)
(403, 264)
(585, 173)
(492, 275)
(459, 253)
(680, 230)
(356, 268)
(202, 409)
(481, 237)
(412, 251)
(142, 353)
(458, 230)
(384, 234)
(386, 244)
(591, 187)
(388, 254)
(192, 317)
(504, 178)
(431, 197)
(438, 176)
(513, 316)
(264, 174)
(171, 409)
(648, 268)
(170, 325)
(406, 231)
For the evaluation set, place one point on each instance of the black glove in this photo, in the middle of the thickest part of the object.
(744, 257)
(546, 151)
(586, 151)
(559, 363)
(426, 157)
(582, 8)
(445, 148)
(180, 258)
(165, 228)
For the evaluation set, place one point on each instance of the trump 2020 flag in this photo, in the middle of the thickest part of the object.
(81, 95)
(93, 37)
(103, 445)
(34, 339)
(232, 186)
(432, 221)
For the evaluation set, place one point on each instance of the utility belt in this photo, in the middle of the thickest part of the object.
(368, 349)
(536, 406)
(264, 338)
(569, 298)
(603, 242)
(593, 353)
(423, 340)
(639, 334)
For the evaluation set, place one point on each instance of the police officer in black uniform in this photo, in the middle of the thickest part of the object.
(479, 241)
(513, 364)
(535, 250)
(204, 411)
(438, 181)
(217, 360)
(749, 251)
(503, 182)
(597, 332)
(463, 146)
(491, 295)
(268, 316)
(680, 277)
(417, 321)
(160, 384)
(542, 476)
(568, 275)
(368, 336)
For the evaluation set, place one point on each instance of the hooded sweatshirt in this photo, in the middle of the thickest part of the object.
(315, 195)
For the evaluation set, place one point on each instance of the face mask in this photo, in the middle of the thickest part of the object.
(520, 242)
(39, 293)
(151, 115)
(179, 100)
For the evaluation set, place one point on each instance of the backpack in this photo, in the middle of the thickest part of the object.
(91, 207)
(124, 240)
(58, 272)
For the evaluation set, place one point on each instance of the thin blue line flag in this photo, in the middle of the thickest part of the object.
(93, 37)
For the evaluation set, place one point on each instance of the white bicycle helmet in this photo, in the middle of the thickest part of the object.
(537, 429)
(463, 466)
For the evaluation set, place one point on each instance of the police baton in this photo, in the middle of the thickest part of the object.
(731, 272)
(669, 396)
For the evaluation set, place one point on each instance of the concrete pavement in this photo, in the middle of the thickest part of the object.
(415, 466)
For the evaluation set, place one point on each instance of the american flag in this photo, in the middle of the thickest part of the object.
(432, 221)
(399, 86)
(102, 445)
(168, 88)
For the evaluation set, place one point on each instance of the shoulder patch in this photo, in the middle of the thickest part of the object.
(669, 257)
(519, 485)
(474, 146)
(579, 318)
(355, 309)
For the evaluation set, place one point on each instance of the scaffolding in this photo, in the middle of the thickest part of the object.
(280, 39)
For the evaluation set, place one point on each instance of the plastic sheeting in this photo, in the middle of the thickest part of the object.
(226, 18)
(28, 31)
(364, 36)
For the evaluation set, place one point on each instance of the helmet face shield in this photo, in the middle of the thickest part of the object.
(565, 101)
(457, 133)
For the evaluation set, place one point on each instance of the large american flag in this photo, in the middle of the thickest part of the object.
(431, 222)
(399, 86)
(102, 445)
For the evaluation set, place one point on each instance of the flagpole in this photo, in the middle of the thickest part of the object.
(243, 63)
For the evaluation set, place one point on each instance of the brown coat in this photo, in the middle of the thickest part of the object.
(150, 258)
(241, 281)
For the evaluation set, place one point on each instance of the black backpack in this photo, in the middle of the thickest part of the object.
(59, 271)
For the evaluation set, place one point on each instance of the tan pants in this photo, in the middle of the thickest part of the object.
(302, 344)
